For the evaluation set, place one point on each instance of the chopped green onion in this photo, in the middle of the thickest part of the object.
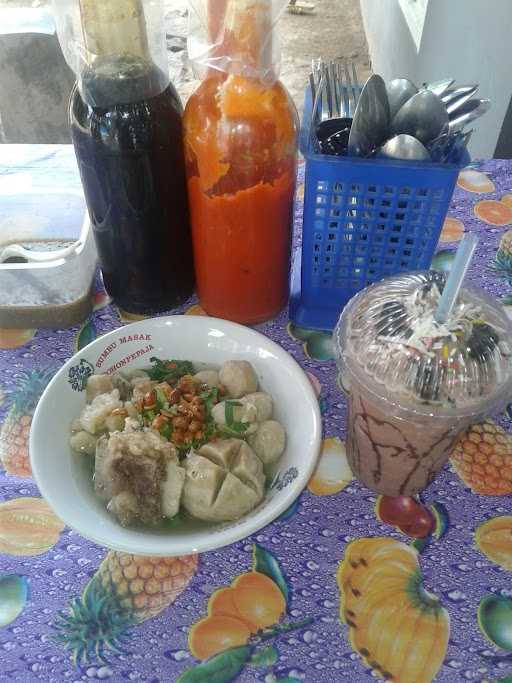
(229, 411)
(166, 431)
(161, 398)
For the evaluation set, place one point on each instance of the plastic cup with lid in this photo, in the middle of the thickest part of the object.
(415, 384)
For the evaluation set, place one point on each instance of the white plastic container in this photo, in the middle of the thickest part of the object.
(54, 293)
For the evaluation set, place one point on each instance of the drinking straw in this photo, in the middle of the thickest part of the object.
(454, 282)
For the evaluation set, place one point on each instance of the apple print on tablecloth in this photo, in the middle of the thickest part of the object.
(317, 345)
(14, 593)
(495, 621)
(100, 300)
(85, 335)
(443, 260)
(412, 518)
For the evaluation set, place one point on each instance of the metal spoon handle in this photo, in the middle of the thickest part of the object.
(17, 251)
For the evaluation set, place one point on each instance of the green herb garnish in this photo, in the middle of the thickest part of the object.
(237, 430)
(169, 370)
(210, 398)
(233, 427)
(161, 399)
(229, 411)
(166, 431)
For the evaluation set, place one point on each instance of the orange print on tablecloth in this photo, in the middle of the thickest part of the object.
(452, 231)
(195, 309)
(258, 600)
(127, 317)
(483, 459)
(475, 181)
(215, 634)
(493, 212)
(252, 598)
(507, 199)
(222, 604)
(13, 339)
(332, 473)
(254, 601)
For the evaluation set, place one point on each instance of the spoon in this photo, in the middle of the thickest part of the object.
(470, 111)
(31, 256)
(332, 126)
(404, 147)
(371, 119)
(399, 90)
(439, 87)
(424, 117)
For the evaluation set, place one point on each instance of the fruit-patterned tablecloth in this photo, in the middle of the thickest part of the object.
(342, 587)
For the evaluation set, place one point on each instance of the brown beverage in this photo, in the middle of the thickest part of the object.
(415, 385)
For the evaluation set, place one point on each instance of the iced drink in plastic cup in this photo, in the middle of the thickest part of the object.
(414, 384)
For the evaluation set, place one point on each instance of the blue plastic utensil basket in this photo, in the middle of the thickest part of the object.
(364, 219)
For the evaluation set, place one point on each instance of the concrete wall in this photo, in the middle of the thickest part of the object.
(35, 81)
(468, 40)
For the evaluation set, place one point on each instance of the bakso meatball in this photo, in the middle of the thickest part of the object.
(238, 378)
(262, 402)
(209, 377)
(125, 507)
(94, 414)
(268, 441)
(224, 480)
(245, 413)
(96, 385)
(83, 442)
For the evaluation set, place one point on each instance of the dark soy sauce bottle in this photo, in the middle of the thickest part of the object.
(126, 127)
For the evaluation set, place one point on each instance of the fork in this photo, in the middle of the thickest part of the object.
(353, 88)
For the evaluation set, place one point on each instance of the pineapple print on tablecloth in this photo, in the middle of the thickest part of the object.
(125, 590)
(503, 264)
(483, 459)
(16, 427)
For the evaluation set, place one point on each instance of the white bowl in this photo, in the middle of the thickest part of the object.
(63, 478)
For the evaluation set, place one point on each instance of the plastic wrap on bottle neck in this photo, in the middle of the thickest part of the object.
(235, 37)
(117, 49)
